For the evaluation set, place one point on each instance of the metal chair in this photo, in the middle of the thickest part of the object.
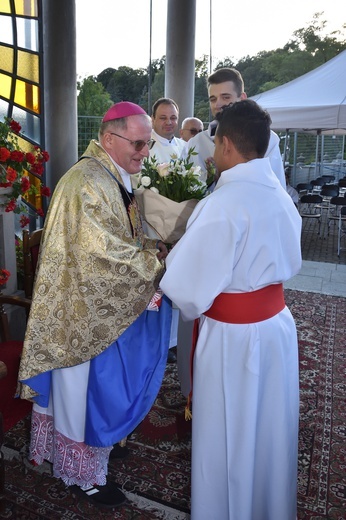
(317, 184)
(310, 207)
(328, 178)
(304, 188)
(335, 205)
(327, 192)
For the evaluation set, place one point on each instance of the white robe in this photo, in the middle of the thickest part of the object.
(203, 144)
(163, 149)
(242, 237)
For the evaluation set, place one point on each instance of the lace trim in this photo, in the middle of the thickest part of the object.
(74, 462)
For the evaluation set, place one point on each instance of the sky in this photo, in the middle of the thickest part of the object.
(117, 32)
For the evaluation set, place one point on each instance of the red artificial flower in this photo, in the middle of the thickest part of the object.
(45, 156)
(37, 168)
(24, 221)
(30, 158)
(4, 154)
(40, 212)
(15, 165)
(45, 191)
(11, 174)
(25, 184)
(15, 126)
(17, 155)
(4, 276)
(11, 205)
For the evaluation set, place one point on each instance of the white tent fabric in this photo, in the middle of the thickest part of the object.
(315, 101)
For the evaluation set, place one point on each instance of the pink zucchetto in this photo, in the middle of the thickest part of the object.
(122, 109)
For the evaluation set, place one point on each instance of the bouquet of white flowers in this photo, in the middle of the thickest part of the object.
(167, 194)
(178, 180)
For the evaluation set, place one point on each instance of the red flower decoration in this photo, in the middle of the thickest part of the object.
(30, 158)
(4, 276)
(17, 156)
(15, 164)
(11, 205)
(40, 212)
(45, 156)
(45, 191)
(4, 154)
(25, 184)
(11, 175)
(15, 126)
(24, 221)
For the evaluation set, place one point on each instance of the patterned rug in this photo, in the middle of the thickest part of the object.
(156, 475)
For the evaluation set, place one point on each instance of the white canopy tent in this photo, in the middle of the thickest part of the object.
(314, 103)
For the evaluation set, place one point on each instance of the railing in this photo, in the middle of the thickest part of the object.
(88, 127)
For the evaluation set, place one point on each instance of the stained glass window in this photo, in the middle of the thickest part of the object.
(20, 71)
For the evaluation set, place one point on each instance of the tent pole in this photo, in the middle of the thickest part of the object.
(316, 157)
(295, 159)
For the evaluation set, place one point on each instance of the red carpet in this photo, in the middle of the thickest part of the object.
(156, 475)
(13, 410)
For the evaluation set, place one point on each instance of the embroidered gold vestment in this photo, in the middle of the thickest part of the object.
(94, 277)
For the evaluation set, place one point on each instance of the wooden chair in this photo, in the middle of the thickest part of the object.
(31, 244)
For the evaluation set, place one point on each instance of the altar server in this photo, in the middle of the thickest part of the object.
(242, 242)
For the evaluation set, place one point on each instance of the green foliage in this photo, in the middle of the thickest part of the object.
(92, 98)
(308, 48)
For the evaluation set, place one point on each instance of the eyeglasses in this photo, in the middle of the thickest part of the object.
(193, 131)
(139, 145)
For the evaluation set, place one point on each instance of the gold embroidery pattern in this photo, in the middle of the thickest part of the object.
(94, 278)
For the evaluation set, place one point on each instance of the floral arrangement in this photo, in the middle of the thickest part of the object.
(4, 276)
(178, 180)
(15, 166)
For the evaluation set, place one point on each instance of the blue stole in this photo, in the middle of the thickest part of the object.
(124, 380)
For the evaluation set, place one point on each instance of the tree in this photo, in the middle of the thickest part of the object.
(92, 97)
(124, 83)
(307, 49)
(311, 38)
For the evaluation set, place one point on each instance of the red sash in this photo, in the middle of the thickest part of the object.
(240, 308)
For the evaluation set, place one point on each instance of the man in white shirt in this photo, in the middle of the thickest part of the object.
(165, 117)
(226, 86)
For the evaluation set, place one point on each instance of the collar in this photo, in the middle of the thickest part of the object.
(212, 129)
(126, 177)
(162, 140)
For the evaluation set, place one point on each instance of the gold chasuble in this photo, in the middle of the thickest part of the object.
(97, 271)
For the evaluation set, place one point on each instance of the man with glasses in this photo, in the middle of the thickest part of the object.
(97, 337)
(165, 117)
(190, 127)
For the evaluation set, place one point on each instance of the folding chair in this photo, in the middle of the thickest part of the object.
(310, 207)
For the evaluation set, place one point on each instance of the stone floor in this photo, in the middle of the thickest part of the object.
(323, 271)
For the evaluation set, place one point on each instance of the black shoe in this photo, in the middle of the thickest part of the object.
(101, 496)
(119, 452)
(171, 357)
